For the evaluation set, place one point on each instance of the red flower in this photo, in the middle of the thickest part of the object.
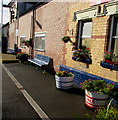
(88, 48)
(113, 83)
(109, 52)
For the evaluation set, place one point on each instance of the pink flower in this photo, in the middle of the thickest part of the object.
(113, 83)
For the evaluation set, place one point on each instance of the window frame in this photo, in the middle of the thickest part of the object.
(80, 29)
(40, 34)
(111, 37)
(22, 46)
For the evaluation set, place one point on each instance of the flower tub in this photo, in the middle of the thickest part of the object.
(23, 57)
(63, 81)
(97, 92)
(94, 100)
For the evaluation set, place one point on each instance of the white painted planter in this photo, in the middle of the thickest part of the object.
(94, 100)
(64, 82)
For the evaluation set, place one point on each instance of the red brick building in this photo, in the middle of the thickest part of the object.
(91, 23)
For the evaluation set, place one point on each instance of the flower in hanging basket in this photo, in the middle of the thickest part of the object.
(64, 74)
(66, 39)
(97, 86)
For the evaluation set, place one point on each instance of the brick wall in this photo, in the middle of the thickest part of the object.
(98, 44)
(12, 35)
(25, 29)
(53, 19)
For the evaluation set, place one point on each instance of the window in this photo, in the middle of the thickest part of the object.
(22, 39)
(113, 43)
(39, 41)
(85, 31)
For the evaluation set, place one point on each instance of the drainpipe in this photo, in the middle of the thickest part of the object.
(33, 33)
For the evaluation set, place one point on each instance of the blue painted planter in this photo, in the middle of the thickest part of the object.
(81, 76)
(109, 66)
(87, 61)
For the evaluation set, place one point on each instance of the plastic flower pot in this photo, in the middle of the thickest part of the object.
(64, 82)
(93, 100)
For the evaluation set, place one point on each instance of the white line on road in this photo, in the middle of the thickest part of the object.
(36, 107)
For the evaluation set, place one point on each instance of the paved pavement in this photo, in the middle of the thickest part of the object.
(8, 58)
(14, 105)
(41, 87)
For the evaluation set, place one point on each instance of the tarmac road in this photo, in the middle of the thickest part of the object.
(14, 105)
(57, 104)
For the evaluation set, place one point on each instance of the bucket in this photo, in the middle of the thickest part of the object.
(64, 82)
(94, 100)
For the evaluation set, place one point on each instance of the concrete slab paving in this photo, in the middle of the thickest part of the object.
(56, 103)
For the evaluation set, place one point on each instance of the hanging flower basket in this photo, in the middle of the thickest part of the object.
(66, 39)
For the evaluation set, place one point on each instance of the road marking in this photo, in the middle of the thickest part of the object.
(36, 107)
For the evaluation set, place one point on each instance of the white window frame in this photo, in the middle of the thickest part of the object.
(80, 32)
(111, 33)
(40, 34)
(22, 46)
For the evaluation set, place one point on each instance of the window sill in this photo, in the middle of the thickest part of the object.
(23, 46)
(87, 61)
(41, 50)
(108, 66)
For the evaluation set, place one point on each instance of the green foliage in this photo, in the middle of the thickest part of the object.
(97, 86)
(64, 74)
(83, 53)
(105, 113)
(111, 56)
(23, 57)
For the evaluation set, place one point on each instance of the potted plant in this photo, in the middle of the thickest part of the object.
(110, 61)
(27, 42)
(82, 55)
(66, 39)
(97, 92)
(23, 57)
(64, 80)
